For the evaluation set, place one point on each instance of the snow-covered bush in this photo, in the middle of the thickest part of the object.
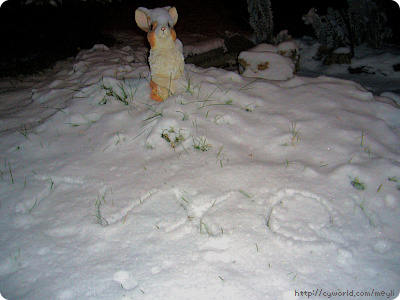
(362, 22)
(330, 29)
(261, 19)
(368, 22)
(44, 2)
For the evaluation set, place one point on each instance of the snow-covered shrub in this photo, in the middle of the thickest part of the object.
(261, 19)
(282, 36)
(44, 2)
(330, 29)
(368, 23)
(362, 22)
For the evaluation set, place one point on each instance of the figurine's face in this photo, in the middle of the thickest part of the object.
(162, 30)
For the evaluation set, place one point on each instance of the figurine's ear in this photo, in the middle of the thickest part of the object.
(142, 18)
(174, 14)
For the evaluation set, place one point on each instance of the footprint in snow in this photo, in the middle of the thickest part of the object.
(126, 280)
(300, 216)
(115, 206)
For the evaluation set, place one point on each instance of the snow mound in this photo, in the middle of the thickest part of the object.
(293, 185)
(392, 96)
(269, 61)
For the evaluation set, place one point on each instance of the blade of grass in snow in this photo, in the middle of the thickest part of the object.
(11, 174)
(34, 204)
(219, 152)
(246, 87)
(244, 194)
(246, 107)
(153, 117)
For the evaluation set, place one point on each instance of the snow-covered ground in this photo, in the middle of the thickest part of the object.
(236, 188)
(377, 74)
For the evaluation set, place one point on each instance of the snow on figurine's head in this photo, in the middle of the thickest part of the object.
(158, 22)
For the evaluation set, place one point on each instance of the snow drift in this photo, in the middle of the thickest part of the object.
(236, 188)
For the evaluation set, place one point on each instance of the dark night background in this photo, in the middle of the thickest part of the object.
(34, 37)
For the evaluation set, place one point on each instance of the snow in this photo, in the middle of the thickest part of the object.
(269, 62)
(203, 46)
(379, 75)
(236, 188)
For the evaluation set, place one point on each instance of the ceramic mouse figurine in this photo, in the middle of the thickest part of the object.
(166, 59)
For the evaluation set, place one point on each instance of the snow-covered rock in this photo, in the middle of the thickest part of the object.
(269, 61)
(267, 65)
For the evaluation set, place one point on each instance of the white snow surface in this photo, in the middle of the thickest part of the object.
(237, 188)
(203, 46)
